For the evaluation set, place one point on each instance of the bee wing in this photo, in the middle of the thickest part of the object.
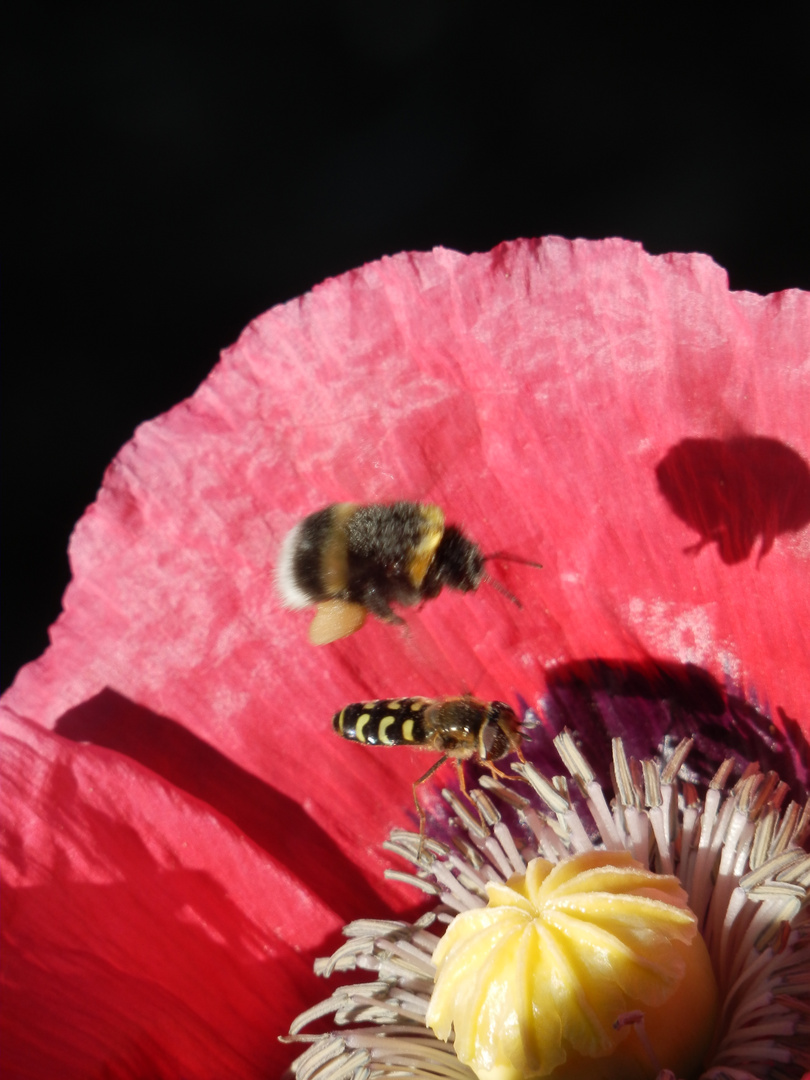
(335, 619)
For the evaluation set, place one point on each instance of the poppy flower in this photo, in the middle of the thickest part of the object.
(183, 832)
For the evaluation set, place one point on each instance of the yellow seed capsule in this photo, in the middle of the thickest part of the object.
(534, 984)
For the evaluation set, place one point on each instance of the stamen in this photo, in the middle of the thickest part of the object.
(507, 842)
(476, 828)
(581, 770)
(636, 1018)
(738, 854)
(486, 810)
(411, 879)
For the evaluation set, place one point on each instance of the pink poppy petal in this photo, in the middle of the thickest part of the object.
(533, 392)
(142, 933)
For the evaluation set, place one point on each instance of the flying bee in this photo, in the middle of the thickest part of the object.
(462, 728)
(350, 559)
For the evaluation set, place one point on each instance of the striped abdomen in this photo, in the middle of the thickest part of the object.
(460, 727)
(397, 722)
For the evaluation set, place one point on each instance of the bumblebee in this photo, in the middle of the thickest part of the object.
(462, 728)
(350, 559)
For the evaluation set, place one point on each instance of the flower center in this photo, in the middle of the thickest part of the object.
(594, 958)
(587, 964)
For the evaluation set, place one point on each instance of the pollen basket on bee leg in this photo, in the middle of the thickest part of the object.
(336, 619)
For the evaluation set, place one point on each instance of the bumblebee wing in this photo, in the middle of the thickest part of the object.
(335, 619)
(430, 535)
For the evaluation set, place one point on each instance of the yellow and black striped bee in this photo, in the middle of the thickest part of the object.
(350, 559)
(463, 728)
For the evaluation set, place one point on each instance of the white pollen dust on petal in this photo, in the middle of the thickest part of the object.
(686, 634)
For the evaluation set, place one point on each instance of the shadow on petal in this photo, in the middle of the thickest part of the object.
(270, 819)
(655, 703)
(161, 974)
(732, 491)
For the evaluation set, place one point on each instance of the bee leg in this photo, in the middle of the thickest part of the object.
(379, 606)
(462, 783)
(496, 771)
(517, 749)
(462, 788)
(436, 765)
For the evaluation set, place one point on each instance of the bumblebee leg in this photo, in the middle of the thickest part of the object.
(379, 606)
(436, 765)
(335, 619)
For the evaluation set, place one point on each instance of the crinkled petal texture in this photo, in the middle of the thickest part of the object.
(622, 418)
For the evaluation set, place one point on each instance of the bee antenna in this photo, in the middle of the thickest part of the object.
(506, 557)
(502, 589)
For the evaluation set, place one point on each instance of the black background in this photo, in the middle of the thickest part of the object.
(177, 169)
